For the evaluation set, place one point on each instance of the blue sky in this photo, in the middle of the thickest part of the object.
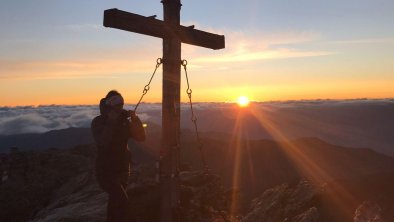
(275, 50)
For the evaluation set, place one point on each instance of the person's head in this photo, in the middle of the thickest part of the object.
(113, 101)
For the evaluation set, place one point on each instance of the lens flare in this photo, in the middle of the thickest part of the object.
(243, 101)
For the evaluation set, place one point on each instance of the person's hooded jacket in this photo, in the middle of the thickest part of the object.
(111, 137)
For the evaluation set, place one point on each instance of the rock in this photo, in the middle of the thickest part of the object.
(60, 185)
(285, 203)
(40, 182)
(144, 201)
(368, 212)
(80, 199)
(311, 215)
(203, 198)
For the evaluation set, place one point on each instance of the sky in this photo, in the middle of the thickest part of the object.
(58, 52)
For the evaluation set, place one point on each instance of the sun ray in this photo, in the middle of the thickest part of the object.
(305, 165)
(236, 139)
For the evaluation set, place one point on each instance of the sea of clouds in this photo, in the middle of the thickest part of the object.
(39, 119)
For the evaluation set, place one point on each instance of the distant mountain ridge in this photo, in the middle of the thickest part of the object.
(353, 125)
(64, 138)
(273, 160)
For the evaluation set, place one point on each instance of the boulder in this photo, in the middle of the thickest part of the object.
(285, 203)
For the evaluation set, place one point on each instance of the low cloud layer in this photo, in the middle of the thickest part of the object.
(44, 118)
(29, 119)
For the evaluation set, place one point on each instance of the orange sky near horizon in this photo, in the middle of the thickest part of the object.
(81, 92)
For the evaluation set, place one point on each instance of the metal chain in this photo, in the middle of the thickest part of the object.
(194, 117)
(159, 61)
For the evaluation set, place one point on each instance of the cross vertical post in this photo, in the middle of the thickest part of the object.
(170, 114)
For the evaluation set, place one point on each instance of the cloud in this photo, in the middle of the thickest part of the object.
(112, 61)
(250, 56)
(364, 41)
(267, 40)
(25, 123)
(77, 60)
(30, 119)
(81, 27)
(72, 68)
(257, 46)
(44, 118)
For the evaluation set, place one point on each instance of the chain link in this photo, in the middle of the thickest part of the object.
(189, 92)
(159, 61)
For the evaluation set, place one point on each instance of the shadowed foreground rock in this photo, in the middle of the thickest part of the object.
(80, 199)
(305, 202)
(203, 199)
(285, 203)
(60, 185)
(40, 181)
(368, 212)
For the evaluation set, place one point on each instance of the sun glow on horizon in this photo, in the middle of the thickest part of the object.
(243, 101)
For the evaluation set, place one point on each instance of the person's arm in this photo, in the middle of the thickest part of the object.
(137, 130)
(102, 131)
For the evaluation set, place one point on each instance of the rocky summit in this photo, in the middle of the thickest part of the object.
(60, 185)
(286, 203)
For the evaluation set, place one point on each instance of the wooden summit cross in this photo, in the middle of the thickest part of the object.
(173, 34)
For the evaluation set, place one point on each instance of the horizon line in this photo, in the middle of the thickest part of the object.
(223, 102)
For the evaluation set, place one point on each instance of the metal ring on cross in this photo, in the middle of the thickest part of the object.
(184, 62)
(159, 61)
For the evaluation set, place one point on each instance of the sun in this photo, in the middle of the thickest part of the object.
(243, 101)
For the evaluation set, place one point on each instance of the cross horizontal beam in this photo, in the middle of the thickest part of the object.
(131, 22)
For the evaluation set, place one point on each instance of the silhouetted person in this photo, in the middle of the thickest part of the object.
(111, 131)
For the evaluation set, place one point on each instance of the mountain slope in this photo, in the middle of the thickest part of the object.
(63, 138)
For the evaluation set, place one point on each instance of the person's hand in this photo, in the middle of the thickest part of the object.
(113, 115)
(132, 114)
